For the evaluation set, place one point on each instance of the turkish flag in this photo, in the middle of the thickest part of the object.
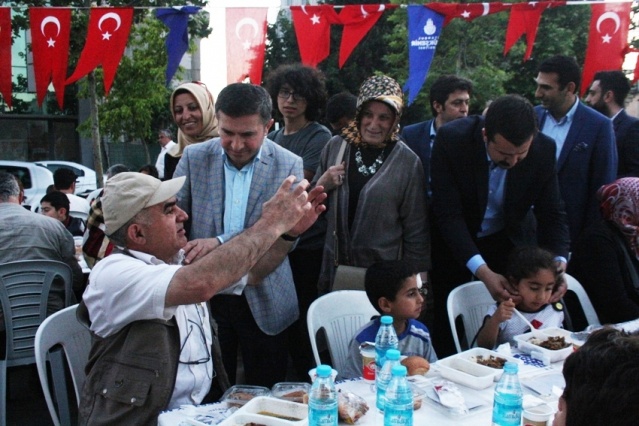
(467, 11)
(5, 54)
(524, 19)
(108, 33)
(607, 40)
(245, 40)
(313, 31)
(50, 31)
(358, 21)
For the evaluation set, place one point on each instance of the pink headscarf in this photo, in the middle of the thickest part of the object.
(620, 205)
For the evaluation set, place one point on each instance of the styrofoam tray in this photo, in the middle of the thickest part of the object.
(251, 413)
(472, 354)
(465, 372)
(524, 344)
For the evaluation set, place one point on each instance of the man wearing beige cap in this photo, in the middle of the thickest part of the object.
(154, 347)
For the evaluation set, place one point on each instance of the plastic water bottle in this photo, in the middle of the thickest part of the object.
(383, 377)
(399, 399)
(322, 401)
(386, 339)
(507, 408)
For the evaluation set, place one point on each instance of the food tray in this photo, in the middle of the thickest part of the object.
(465, 372)
(291, 391)
(239, 395)
(472, 354)
(253, 411)
(559, 355)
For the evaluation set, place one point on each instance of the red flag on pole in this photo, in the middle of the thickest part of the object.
(50, 30)
(358, 21)
(5, 54)
(245, 39)
(524, 19)
(313, 31)
(108, 33)
(607, 40)
(467, 11)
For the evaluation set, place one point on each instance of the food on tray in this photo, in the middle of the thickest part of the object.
(295, 396)
(279, 416)
(553, 343)
(350, 407)
(491, 361)
(416, 365)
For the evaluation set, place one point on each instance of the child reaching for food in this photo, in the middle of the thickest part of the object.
(533, 272)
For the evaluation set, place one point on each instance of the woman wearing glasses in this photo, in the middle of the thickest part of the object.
(193, 110)
(375, 186)
(300, 95)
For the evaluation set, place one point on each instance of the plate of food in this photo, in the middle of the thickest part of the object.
(268, 411)
(556, 345)
(466, 372)
(489, 358)
(238, 395)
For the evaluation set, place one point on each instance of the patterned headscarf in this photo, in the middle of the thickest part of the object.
(620, 205)
(377, 88)
(206, 103)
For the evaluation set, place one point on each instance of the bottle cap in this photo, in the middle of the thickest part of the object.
(323, 370)
(386, 319)
(393, 354)
(511, 367)
(399, 370)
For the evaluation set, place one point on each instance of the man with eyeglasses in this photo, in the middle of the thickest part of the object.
(154, 342)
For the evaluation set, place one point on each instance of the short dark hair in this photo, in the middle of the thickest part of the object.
(241, 99)
(601, 380)
(565, 67)
(444, 86)
(386, 278)
(617, 82)
(343, 104)
(63, 178)
(513, 117)
(526, 261)
(57, 200)
(116, 169)
(150, 170)
(304, 80)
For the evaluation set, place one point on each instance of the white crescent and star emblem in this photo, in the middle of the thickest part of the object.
(465, 14)
(111, 15)
(604, 16)
(251, 23)
(43, 24)
(486, 9)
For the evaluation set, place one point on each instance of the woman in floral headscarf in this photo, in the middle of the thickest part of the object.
(193, 110)
(605, 259)
(377, 206)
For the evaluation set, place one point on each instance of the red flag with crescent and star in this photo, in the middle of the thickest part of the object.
(524, 19)
(107, 35)
(245, 40)
(313, 31)
(50, 31)
(607, 40)
(5, 54)
(466, 11)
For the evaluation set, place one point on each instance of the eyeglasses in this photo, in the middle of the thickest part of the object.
(285, 94)
(194, 325)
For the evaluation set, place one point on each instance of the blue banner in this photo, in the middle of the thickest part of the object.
(177, 41)
(424, 27)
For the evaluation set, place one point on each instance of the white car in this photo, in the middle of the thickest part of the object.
(34, 178)
(86, 177)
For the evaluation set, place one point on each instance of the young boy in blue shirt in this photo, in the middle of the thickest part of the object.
(393, 290)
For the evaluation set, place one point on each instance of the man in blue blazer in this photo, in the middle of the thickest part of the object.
(227, 181)
(586, 151)
(607, 94)
(449, 100)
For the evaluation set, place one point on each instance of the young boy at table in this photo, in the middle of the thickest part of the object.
(393, 289)
(533, 272)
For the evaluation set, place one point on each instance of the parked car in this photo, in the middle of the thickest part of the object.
(86, 177)
(34, 178)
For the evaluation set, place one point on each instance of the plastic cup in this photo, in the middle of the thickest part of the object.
(368, 361)
(537, 416)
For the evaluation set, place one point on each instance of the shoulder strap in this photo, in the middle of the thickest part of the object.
(338, 161)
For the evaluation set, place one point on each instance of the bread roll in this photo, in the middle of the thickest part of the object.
(416, 365)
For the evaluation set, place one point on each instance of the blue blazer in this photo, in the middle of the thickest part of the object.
(627, 135)
(587, 160)
(417, 137)
(274, 302)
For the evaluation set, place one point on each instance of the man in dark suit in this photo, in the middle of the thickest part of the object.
(449, 100)
(586, 151)
(494, 187)
(607, 94)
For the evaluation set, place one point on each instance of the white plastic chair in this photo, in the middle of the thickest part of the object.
(470, 301)
(586, 305)
(62, 328)
(340, 314)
